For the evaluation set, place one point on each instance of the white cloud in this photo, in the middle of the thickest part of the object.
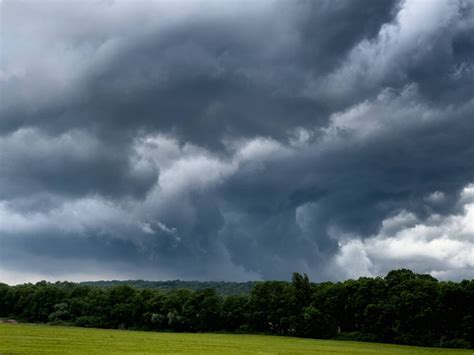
(436, 197)
(401, 44)
(390, 111)
(354, 260)
(440, 245)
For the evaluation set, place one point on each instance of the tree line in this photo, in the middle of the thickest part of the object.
(221, 287)
(402, 307)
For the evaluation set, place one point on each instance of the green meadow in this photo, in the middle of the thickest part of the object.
(43, 339)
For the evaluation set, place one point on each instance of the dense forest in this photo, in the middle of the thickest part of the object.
(221, 287)
(403, 307)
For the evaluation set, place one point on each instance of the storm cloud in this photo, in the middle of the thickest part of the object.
(236, 140)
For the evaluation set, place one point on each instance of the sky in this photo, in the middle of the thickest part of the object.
(236, 140)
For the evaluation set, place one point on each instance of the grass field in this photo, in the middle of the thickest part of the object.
(42, 339)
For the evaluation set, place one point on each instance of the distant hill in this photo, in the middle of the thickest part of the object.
(221, 287)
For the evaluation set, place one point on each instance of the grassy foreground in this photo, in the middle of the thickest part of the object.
(42, 339)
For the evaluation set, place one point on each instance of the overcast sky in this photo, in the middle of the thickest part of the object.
(236, 140)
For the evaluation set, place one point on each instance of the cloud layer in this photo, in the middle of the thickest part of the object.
(238, 141)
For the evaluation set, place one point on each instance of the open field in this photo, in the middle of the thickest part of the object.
(42, 339)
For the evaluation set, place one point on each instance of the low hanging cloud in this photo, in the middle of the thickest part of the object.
(236, 142)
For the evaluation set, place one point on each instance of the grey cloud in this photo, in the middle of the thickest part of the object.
(231, 142)
(71, 164)
(330, 29)
(198, 75)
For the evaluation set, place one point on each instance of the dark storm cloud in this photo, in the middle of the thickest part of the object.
(233, 142)
(71, 164)
(201, 75)
(330, 29)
